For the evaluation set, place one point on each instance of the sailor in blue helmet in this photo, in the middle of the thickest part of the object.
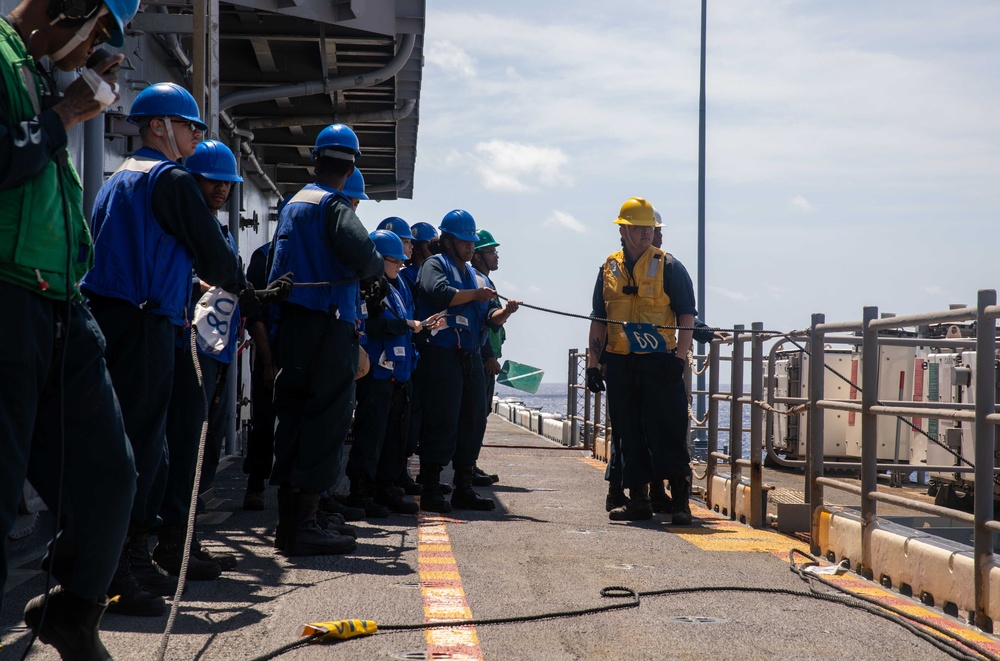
(425, 238)
(151, 226)
(354, 189)
(321, 240)
(450, 372)
(381, 420)
(51, 357)
(215, 171)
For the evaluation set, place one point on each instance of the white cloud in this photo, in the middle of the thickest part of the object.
(729, 293)
(451, 58)
(800, 204)
(566, 221)
(517, 167)
(936, 290)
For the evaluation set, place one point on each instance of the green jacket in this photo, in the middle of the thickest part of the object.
(42, 226)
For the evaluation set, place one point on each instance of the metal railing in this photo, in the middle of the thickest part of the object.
(865, 336)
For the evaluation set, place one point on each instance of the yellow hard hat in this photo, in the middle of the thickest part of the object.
(638, 212)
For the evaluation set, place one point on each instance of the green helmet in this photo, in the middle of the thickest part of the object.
(485, 240)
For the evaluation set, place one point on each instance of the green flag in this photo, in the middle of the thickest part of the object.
(522, 377)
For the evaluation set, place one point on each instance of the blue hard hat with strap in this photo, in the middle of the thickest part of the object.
(165, 100)
(213, 160)
(460, 224)
(355, 186)
(122, 11)
(423, 232)
(388, 244)
(334, 138)
(397, 225)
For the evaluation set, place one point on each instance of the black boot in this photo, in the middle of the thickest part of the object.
(150, 577)
(478, 475)
(71, 624)
(410, 487)
(253, 499)
(395, 501)
(431, 495)
(226, 561)
(334, 523)
(480, 478)
(681, 509)
(334, 506)
(305, 537)
(363, 495)
(638, 507)
(169, 554)
(465, 497)
(616, 497)
(658, 497)
(127, 596)
(445, 488)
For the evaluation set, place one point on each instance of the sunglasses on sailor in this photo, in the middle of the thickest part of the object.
(102, 36)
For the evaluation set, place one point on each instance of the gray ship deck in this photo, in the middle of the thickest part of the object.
(548, 546)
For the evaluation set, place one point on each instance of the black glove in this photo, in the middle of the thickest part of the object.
(277, 292)
(249, 305)
(595, 382)
(376, 290)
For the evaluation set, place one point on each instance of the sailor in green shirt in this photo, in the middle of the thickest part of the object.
(60, 425)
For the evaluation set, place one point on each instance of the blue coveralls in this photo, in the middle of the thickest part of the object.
(450, 373)
(382, 417)
(319, 239)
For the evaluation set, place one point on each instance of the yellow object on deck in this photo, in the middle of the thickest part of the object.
(341, 629)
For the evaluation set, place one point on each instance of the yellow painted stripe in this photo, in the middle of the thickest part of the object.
(444, 597)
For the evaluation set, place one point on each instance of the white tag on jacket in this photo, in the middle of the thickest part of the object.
(399, 352)
(384, 362)
(461, 321)
(213, 318)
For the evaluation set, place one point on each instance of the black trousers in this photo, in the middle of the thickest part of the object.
(260, 441)
(313, 397)
(56, 399)
(381, 425)
(141, 362)
(453, 414)
(649, 412)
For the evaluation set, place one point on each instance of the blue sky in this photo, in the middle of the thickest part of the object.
(853, 152)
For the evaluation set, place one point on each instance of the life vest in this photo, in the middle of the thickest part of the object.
(637, 297)
(33, 216)
(393, 356)
(134, 258)
(466, 329)
(302, 247)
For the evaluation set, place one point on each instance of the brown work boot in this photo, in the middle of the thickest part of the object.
(681, 509)
(638, 507)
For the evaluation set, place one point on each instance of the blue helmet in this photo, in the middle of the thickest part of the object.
(388, 244)
(122, 12)
(355, 186)
(460, 224)
(423, 232)
(165, 100)
(397, 225)
(336, 135)
(213, 160)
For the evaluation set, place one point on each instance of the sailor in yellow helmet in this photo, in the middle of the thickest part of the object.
(644, 369)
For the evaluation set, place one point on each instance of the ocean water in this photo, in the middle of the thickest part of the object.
(551, 398)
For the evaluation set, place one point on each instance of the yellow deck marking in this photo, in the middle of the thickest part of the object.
(717, 533)
(444, 597)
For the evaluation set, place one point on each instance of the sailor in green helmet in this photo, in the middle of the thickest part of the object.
(60, 425)
(486, 259)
